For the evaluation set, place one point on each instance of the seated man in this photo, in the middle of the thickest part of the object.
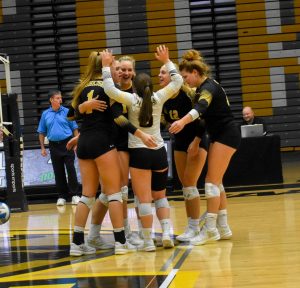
(250, 119)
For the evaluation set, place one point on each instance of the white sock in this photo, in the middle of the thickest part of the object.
(222, 217)
(127, 227)
(140, 226)
(78, 229)
(211, 221)
(147, 233)
(194, 224)
(165, 225)
(94, 230)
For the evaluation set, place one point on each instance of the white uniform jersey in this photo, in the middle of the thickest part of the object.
(134, 103)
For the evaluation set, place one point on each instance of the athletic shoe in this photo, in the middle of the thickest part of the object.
(99, 244)
(167, 241)
(82, 249)
(61, 202)
(135, 239)
(187, 235)
(125, 248)
(75, 200)
(147, 246)
(205, 236)
(157, 241)
(225, 232)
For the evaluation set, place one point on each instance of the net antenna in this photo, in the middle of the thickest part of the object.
(5, 60)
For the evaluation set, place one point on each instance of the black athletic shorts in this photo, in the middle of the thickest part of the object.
(92, 144)
(230, 135)
(120, 138)
(183, 142)
(148, 159)
(122, 143)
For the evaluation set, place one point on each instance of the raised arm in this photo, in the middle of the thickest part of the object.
(162, 54)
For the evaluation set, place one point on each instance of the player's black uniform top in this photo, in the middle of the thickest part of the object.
(96, 129)
(120, 135)
(94, 119)
(176, 108)
(213, 106)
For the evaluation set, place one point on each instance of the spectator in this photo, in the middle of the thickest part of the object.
(249, 118)
(59, 130)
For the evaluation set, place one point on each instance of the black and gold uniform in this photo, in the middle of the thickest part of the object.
(176, 108)
(120, 115)
(96, 129)
(212, 104)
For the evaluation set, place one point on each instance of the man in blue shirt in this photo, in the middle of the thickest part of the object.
(59, 130)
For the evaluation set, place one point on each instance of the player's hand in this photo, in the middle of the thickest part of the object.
(95, 104)
(176, 127)
(148, 140)
(107, 58)
(72, 143)
(162, 54)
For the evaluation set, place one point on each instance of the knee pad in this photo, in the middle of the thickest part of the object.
(88, 201)
(136, 201)
(159, 180)
(190, 193)
(103, 199)
(221, 187)
(211, 190)
(145, 209)
(124, 191)
(115, 197)
(161, 203)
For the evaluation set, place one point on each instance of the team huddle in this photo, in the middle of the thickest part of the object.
(120, 134)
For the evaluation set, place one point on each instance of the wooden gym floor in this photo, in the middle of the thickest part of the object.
(264, 250)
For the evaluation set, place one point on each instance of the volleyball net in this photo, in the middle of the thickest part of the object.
(13, 143)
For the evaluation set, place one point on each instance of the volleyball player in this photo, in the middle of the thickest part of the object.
(190, 150)
(148, 167)
(122, 70)
(97, 157)
(212, 105)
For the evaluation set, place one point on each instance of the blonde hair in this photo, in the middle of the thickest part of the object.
(128, 58)
(193, 60)
(93, 70)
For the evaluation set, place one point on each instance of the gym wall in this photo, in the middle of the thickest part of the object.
(252, 46)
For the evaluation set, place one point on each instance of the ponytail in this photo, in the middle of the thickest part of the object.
(144, 88)
(145, 116)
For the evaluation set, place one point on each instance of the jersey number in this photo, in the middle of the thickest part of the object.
(174, 114)
(90, 97)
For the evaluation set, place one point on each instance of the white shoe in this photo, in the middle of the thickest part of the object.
(99, 244)
(158, 241)
(82, 249)
(125, 248)
(187, 235)
(75, 200)
(61, 202)
(147, 246)
(134, 239)
(205, 236)
(225, 232)
(167, 242)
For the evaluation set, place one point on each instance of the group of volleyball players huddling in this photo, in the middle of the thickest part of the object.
(120, 135)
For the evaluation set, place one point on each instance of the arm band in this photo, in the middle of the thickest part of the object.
(120, 119)
(123, 122)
